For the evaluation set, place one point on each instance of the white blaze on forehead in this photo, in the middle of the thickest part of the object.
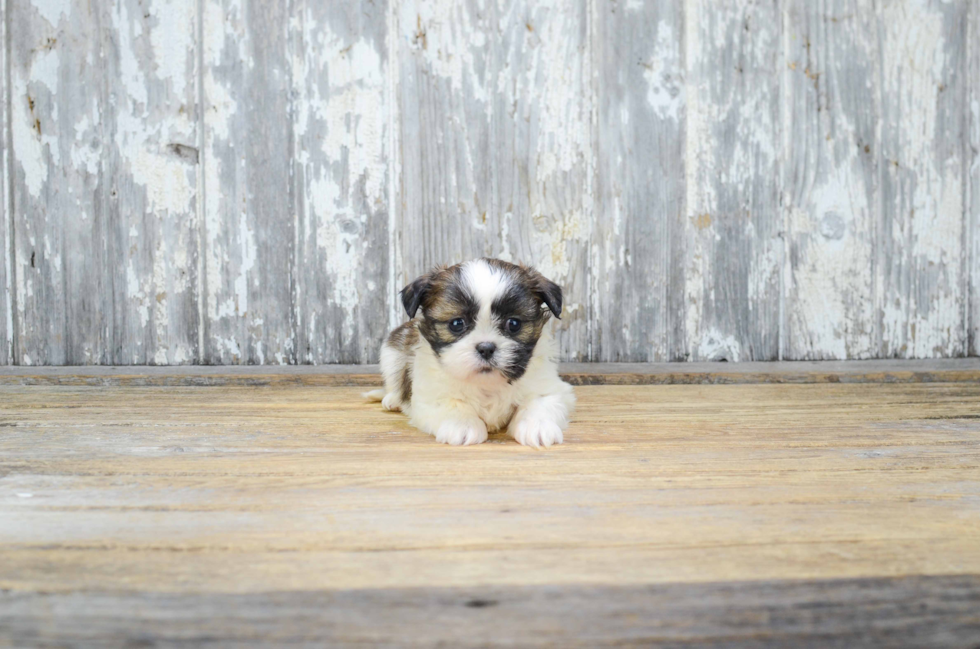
(485, 283)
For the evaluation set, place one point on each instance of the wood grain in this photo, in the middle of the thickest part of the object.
(921, 264)
(973, 216)
(733, 249)
(543, 153)
(259, 489)
(638, 261)
(59, 187)
(339, 70)
(916, 612)
(495, 143)
(830, 178)
(249, 211)
(743, 498)
(6, 213)
(151, 160)
(443, 127)
(220, 182)
(787, 372)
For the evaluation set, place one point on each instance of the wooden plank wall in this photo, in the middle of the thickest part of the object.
(6, 222)
(973, 188)
(243, 181)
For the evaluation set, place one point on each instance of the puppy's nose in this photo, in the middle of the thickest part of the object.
(486, 350)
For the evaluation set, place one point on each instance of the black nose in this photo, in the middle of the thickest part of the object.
(486, 350)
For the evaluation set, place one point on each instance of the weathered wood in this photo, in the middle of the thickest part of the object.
(198, 376)
(732, 512)
(792, 372)
(830, 179)
(150, 154)
(894, 612)
(6, 214)
(973, 222)
(733, 250)
(637, 256)
(443, 140)
(789, 372)
(339, 76)
(921, 265)
(59, 188)
(494, 144)
(713, 179)
(249, 213)
(542, 150)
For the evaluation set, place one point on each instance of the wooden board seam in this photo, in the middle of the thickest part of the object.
(786, 372)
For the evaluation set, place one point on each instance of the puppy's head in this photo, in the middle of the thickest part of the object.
(483, 318)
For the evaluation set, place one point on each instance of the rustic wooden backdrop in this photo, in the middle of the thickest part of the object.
(251, 181)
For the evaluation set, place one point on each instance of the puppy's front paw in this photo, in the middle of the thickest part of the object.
(391, 402)
(462, 432)
(536, 432)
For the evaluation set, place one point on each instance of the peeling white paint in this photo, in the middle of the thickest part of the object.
(6, 223)
(664, 75)
(168, 182)
(973, 188)
(832, 284)
(137, 295)
(153, 149)
(172, 38)
(248, 257)
(717, 346)
(921, 316)
(53, 10)
(131, 75)
(543, 82)
(35, 150)
(347, 168)
(522, 74)
(86, 150)
(730, 164)
(28, 147)
(444, 33)
(700, 195)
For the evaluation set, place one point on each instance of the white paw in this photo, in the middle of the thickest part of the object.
(391, 402)
(536, 432)
(462, 432)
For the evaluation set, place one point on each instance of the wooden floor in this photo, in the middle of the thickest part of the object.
(689, 515)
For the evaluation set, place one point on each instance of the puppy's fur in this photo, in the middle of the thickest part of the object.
(435, 373)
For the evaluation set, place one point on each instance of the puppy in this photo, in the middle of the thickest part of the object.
(480, 357)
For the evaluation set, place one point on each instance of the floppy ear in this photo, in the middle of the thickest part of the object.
(413, 293)
(548, 292)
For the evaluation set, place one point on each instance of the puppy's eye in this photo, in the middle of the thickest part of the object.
(457, 325)
(513, 325)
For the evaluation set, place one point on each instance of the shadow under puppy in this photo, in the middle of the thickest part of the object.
(480, 356)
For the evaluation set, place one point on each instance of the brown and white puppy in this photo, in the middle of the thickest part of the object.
(479, 356)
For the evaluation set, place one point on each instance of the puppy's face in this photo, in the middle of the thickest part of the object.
(483, 318)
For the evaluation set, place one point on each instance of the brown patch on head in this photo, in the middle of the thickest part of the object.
(442, 297)
(533, 283)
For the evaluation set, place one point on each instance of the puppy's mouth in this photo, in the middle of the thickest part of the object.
(486, 367)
